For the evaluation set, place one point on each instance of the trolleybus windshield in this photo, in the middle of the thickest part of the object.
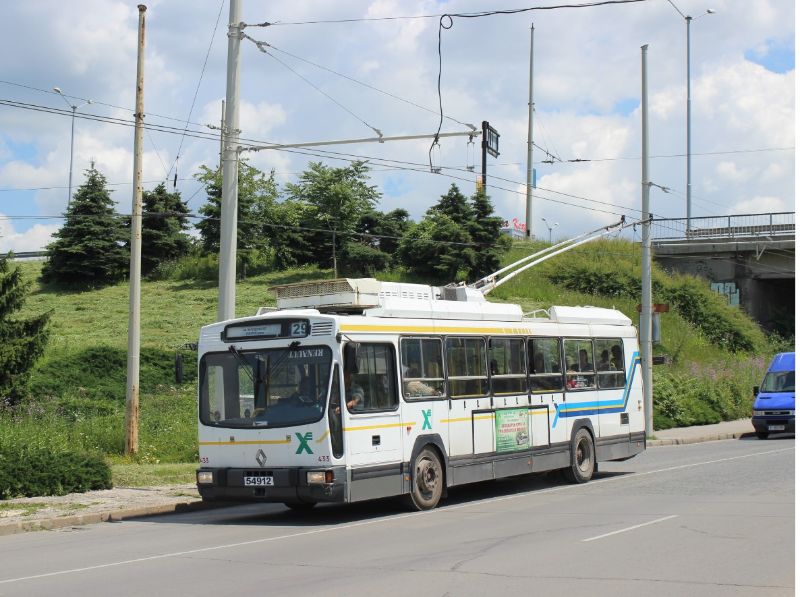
(264, 388)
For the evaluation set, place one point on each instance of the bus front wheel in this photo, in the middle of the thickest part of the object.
(582, 458)
(427, 479)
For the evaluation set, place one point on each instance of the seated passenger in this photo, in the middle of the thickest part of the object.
(416, 387)
(604, 364)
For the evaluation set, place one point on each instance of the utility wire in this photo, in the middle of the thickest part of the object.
(318, 153)
(95, 102)
(367, 85)
(261, 46)
(446, 22)
(196, 90)
(436, 16)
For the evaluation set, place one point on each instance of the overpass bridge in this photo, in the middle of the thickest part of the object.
(748, 258)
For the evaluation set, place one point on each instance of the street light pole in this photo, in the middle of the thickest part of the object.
(688, 19)
(71, 137)
(550, 228)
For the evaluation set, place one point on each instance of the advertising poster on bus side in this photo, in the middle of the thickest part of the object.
(511, 429)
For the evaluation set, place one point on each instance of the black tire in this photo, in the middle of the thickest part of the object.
(427, 480)
(300, 506)
(582, 458)
(762, 434)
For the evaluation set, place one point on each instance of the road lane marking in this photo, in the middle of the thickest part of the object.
(636, 526)
(445, 509)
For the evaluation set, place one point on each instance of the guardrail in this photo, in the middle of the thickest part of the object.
(28, 254)
(779, 224)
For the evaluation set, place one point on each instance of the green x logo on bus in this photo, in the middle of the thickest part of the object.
(426, 424)
(304, 439)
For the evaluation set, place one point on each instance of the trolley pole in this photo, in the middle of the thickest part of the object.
(646, 319)
(132, 390)
(230, 172)
(530, 181)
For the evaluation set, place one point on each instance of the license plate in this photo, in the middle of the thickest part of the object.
(776, 427)
(258, 482)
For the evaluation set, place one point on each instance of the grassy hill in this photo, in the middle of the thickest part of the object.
(78, 387)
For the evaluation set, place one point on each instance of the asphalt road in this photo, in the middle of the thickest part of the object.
(703, 519)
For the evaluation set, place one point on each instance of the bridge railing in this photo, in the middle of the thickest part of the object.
(779, 224)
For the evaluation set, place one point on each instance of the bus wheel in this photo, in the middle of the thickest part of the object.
(426, 480)
(582, 458)
(300, 506)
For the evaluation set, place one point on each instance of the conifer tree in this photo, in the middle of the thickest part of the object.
(89, 250)
(22, 341)
(163, 224)
(454, 205)
(490, 243)
(437, 249)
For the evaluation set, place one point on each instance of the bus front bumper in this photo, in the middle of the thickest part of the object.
(280, 485)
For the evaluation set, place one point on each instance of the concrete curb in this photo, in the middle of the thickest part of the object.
(678, 441)
(51, 524)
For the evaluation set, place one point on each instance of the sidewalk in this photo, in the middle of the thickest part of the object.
(67, 511)
(702, 433)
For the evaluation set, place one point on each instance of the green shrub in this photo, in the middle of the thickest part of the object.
(702, 395)
(35, 471)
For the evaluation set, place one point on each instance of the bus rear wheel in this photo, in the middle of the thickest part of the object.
(582, 458)
(427, 479)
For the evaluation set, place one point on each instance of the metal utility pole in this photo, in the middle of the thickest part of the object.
(221, 135)
(226, 308)
(530, 179)
(688, 19)
(132, 390)
(646, 319)
(74, 108)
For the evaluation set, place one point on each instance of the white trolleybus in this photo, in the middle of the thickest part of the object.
(355, 389)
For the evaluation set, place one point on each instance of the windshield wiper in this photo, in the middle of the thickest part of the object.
(243, 361)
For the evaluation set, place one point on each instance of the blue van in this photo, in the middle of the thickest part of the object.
(773, 407)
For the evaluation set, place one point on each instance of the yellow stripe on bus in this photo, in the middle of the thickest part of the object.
(324, 435)
(430, 329)
(384, 426)
(248, 442)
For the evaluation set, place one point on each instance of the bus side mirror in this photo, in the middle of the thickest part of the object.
(178, 368)
(755, 391)
(351, 351)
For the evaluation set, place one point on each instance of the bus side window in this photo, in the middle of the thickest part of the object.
(375, 377)
(507, 366)
(610, 360)
(466, 367)
(580, 368)
(544, 365)
(421, 367)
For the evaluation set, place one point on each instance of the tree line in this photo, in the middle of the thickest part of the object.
(328, 218)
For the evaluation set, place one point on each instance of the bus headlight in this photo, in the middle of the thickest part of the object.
(319, 477)
(205, 477)
(758, 413)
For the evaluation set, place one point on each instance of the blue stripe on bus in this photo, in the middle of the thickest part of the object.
(617, 405)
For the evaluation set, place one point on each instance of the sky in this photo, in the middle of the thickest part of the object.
(587, 97)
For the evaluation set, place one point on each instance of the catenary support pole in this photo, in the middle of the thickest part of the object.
(230, 172)
(132, 390)
(221, 136)
(646, 325)
(71, 154)
(529, 181)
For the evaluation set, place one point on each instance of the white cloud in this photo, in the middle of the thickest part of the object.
(587, 78)
(33, 239)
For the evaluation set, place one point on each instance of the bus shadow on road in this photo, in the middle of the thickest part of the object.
(325, 515)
